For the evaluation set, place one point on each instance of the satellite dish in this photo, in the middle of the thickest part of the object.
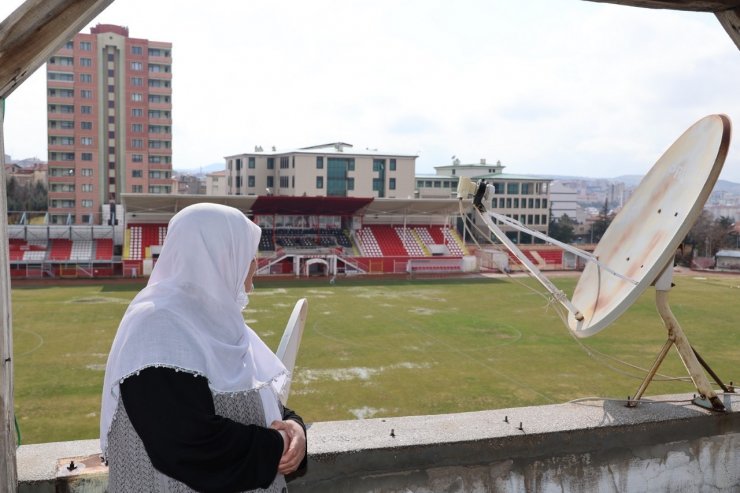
(643, 238)
(637, 249)
(291, 341)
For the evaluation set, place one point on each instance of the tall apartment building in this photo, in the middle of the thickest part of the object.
(330, 170)
(109, 112)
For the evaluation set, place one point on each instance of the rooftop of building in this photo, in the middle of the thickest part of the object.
(342, 148)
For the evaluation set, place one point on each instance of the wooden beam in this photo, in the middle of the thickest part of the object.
(730, 20)
(35, 30)
(692, 5)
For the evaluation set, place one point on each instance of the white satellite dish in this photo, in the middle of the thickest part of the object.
(638, 248)
(643, 238)
(291, 341)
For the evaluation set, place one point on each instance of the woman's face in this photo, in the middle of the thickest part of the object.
(248, 286)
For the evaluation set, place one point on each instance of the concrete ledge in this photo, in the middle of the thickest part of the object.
(667, 445)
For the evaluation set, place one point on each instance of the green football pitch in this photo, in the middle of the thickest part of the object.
(378, 347)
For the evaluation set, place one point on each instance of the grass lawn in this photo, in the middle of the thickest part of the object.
(375, 348)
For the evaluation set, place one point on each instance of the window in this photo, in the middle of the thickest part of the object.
(87, 172)
(137, 50)
(159, 83)
(393, 165)
(159, 175)
(154, 67)
(86, 110)
(391, 183)
(86, 78)
(86, 141)
(86, 125)
(250, 181)
(137, 188)
(61, 93)
(137, 127)
(66, 77)
(378, 164)
(527, 188)
(85, 46)
(350, 183)
(159, 52)
(137, 81)
(238, 182)
(86, 62)
(111, 104)
(111, 57)
(512, 188)
(351, 164)
(284, 182)
(137, 112)
(159, 189)
(136, 96)
(251, 164)
(87, 187)
(66, 61)
(69, 45)
(270, 164)
(319, 162)
(544, 205)
(377, 184)
(136, 173)
(85, 94)
(437, 184)
(137, 158)
(319, 182)
(238, 165)
(137, 143)
(137, 66)
(270, 182)
(284, 163)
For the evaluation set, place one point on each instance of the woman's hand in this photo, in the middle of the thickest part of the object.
(296, 450)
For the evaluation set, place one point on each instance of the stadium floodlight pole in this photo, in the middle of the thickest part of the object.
(28, 37)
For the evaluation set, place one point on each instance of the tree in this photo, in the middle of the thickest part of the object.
(562, 229)
(31, 197)
(707, 236)
(600, 226)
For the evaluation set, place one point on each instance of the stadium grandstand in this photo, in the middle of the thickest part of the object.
(301, 237)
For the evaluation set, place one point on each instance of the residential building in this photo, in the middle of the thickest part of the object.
(187, 184)
(520, 197)
(109, 122)
(563, 201)
(333, 170)
(216, 183)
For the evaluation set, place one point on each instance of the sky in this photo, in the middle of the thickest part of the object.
(553, 87)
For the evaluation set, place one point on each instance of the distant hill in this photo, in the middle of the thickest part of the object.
(634, 180)
(203, 170)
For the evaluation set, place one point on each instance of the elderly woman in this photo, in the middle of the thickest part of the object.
(190, 398)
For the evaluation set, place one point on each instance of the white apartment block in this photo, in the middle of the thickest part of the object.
(520, 197)
(328, 170)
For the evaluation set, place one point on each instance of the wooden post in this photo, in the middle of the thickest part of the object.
(28, 37)
(8, 471)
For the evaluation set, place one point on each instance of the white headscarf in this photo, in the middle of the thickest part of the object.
(189, 316)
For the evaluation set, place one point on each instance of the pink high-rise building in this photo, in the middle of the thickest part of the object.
(109, 111)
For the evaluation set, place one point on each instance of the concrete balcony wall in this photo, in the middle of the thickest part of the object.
(584, 446)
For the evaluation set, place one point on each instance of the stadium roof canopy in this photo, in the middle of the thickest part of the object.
(157, 206)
